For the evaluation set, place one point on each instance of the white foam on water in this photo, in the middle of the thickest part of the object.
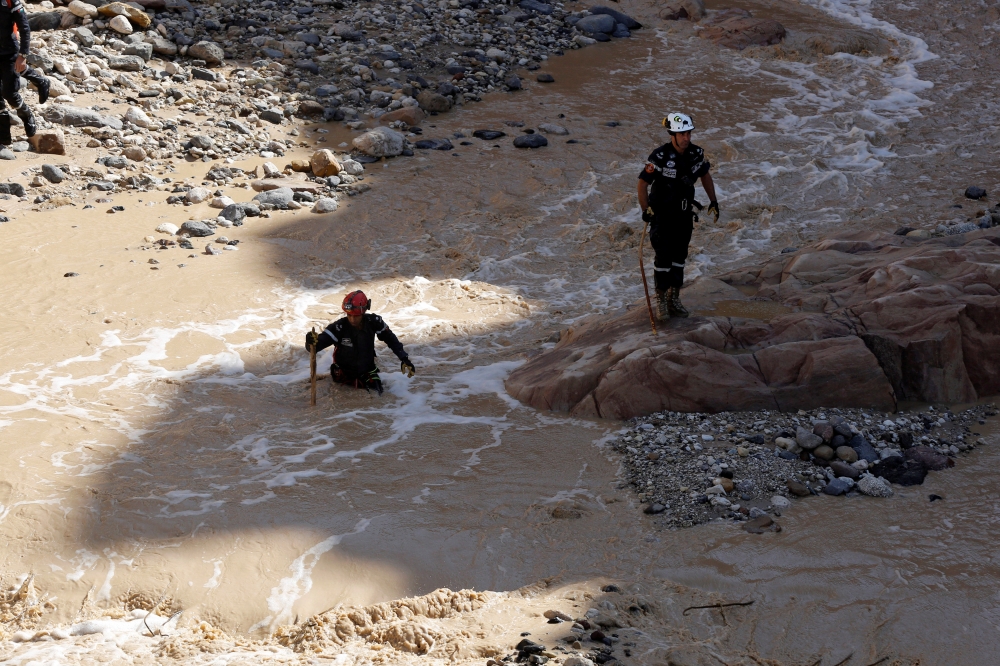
(289, 590)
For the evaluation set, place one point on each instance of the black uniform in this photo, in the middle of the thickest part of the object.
(15, 39)
(673, 176)
(354, 349)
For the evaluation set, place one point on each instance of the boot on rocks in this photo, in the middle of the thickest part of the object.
(5, 139)
(662, 305)
(674, 305)
(28, 118)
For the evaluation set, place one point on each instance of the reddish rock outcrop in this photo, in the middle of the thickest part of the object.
(859, 321)
(737, 29)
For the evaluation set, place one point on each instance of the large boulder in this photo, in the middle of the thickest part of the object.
(619, 17)
(859, 321)
(324, 163)
(379, 142)
(74, 116)
(44, 20)
(596, 23)
(210, 52)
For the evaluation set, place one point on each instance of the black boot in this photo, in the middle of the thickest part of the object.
(43, 90)
(662, 305)
(5, 139)
(28, 118)
(674, 304)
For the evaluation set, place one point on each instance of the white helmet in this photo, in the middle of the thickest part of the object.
(678, 122)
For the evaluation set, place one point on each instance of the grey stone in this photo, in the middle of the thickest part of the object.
(621, 32)
(196, 229)
(629, 22)
(73, 116)
(838, 486)
(841, 468)
(113, 161)
(274, 116)
(432, 101)
(513, 82)
(550, 128)
(202, 142)
(864, 450)
(233, 212)
(101, 185)
(210, 52)
(52, 173)
(7, 154)
(535, 6)
(873, 486)
(20, 146)
(142, 49)
(164, 47)
(279, 197)
(44, 20)
(433, 144)
(202, 74)
(14, 189)
(975, 192)
(806, 439)
(327, 90)
(83, 36)
(127, 63)
(596, 23)
(239, 127)
(379, 142)
(530, 141)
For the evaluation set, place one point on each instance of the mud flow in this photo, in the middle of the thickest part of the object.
(158, 443)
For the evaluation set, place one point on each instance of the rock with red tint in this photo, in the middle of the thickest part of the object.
(880, 318)
(740, 32)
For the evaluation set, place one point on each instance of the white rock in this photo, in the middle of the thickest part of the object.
(325, 205)
(780, 502)
(220, 202)
(167, 228)
(137, 116)
(874, 486)
(380, 142)
(271, 171)
(577, 661)
(197, 195)
(293, 205)
(62, 65)
(351, 167)
(550, 128)
(720, 501)
(121, 24)
(716, 490)
(82, 9)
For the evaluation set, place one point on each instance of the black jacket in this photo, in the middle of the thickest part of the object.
(354, 350)
(673, 176)
(13, 17)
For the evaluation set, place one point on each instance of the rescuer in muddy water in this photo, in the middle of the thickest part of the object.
(353, 338)
(672, 170)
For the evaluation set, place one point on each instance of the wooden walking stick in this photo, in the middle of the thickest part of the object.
(645, 285)
(312, 369)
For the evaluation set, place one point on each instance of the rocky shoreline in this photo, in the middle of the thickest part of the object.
(747, 467)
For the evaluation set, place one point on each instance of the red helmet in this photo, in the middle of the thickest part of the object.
(356, 303)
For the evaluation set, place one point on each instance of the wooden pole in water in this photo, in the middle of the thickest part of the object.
(312, 369)
(645, 285)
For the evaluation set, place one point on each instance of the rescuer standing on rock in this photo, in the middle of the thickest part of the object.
(672, 170)
(353, 338)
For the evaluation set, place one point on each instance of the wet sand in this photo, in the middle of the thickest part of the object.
(158, 438)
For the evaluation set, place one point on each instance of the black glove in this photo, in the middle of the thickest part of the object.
(647, 215)
(713, 209)
(407, 368)
(311, 340)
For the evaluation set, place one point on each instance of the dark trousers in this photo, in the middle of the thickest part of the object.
(670, 236)
(10, 82)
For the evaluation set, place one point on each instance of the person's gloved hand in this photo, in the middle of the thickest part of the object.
(647, 215)
(311, 340)
(713, 209)
(407, 368)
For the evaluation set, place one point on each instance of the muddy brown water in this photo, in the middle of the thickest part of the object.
(156, 428)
